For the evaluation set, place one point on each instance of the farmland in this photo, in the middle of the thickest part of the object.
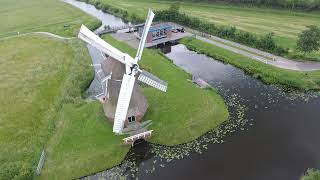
(35, 79)
(46, 15)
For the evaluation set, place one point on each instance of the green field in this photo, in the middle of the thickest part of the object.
(285, 24)
(41, 15)
(267, 73)
(34, 71)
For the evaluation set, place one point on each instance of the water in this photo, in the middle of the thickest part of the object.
(106, 19)
(271, 134)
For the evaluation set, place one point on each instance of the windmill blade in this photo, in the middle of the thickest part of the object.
(91, 38)
(123, 103)
(153, 81)
(144, 35)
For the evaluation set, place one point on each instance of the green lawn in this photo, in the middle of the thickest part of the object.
(41, 15)
(83, 143)
(268, 73)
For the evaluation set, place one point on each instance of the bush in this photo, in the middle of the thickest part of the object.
(309, 39)
(311, 174)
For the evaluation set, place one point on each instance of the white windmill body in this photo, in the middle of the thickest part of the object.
(123, 96)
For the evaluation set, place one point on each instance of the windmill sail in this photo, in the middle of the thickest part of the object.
(144, 35)
(153, 81)
(123, 103)
(91, 38)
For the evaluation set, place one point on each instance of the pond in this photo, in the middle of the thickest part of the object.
(272, 133)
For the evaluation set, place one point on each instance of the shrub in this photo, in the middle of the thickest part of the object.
(309, 39)
(311, 174)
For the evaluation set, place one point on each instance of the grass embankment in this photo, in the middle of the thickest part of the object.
(285, 24)
(268, 73)
(183, 113)
(53, 16)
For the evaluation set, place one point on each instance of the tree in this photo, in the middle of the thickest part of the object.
(174, 7)
(266, 42)
(309, 39)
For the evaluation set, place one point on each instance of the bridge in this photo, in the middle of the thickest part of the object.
(118, 28)
(132, 139)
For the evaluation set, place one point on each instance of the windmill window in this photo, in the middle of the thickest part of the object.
(131, 119)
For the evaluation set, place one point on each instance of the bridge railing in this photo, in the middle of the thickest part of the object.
(117, 28)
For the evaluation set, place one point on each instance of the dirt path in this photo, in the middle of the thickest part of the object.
(41, 33)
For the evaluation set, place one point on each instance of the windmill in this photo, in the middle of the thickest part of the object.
(124, 98)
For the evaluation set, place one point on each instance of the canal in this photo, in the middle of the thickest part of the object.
(272, 133)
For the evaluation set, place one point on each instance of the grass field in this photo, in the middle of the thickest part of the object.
(268, 73)
(33, 76)
(45, 15)
(83, 143)
(285, 24)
